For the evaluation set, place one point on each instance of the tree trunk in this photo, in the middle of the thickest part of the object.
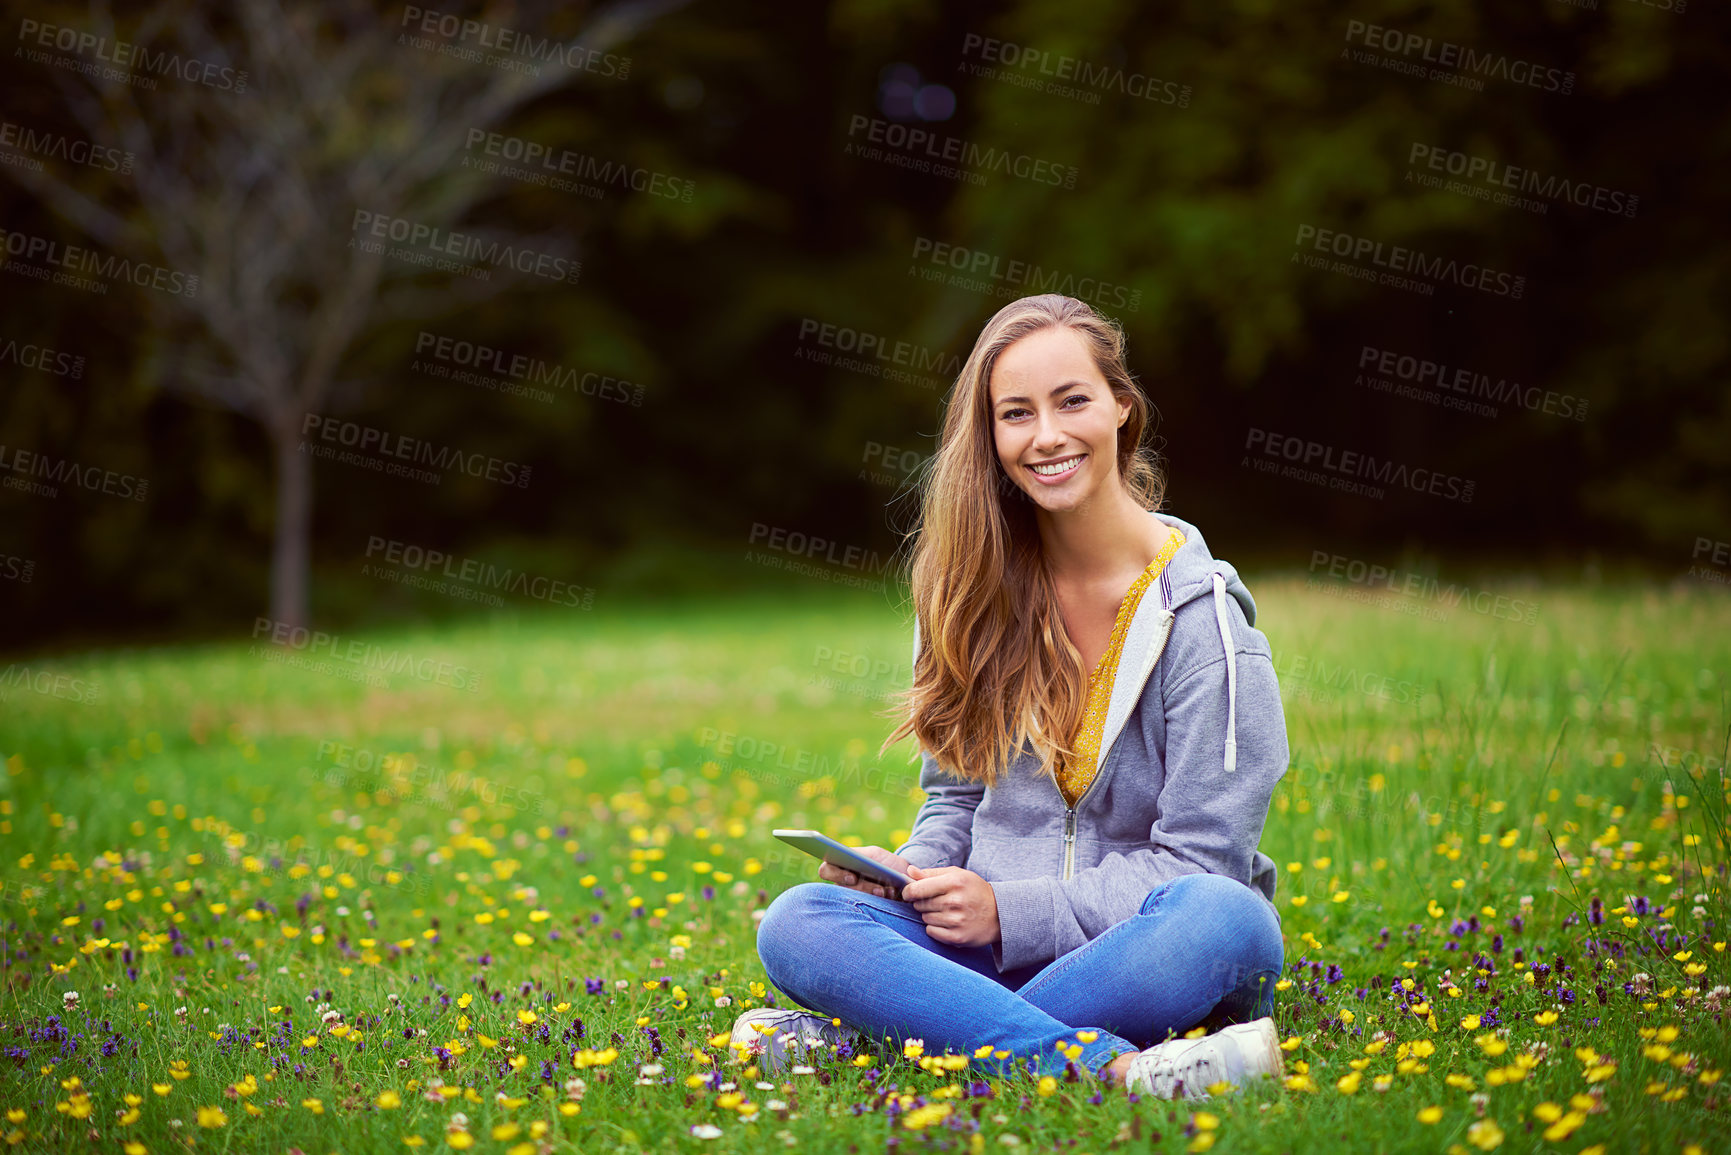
(291, 552)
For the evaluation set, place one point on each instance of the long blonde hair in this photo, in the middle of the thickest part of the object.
(996, 671)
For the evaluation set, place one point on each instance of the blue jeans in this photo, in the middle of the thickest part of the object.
(1203, 949)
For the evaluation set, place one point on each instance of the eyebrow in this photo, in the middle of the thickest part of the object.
(1056, 389)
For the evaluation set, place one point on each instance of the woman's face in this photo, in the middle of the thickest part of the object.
(1054, 419)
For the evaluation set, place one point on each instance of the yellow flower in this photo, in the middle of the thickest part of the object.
(921, 1117)
(1430, 1115)
(316, 1106)
(1470, 1023)
(1205, 1120)
(1300, 1083)
(1485, 1134)
(528, 1017)
(1564, 1127)
(507, 1131)
(1545, 1018)
(1290, 1044)
(1348, 1084)
(211, 1117)
(389, 1100)
(460, 1140)
(1048, 1086)
(413, 1141)
(1455, 1080)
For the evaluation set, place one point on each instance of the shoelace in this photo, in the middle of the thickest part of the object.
(1164, 1080)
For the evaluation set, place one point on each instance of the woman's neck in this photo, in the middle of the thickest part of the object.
(1106, 536)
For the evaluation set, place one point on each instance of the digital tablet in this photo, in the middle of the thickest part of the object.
(846, 857)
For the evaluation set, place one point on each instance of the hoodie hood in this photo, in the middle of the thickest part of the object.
(1192, 570)
(1191, 574)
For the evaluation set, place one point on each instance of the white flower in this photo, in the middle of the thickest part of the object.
(776, 1105)
(620, 985)
(802, 1069)
(763, 1086)
(706, 1130)
(342, 912)
(330, 1016)
(724, 1001)
(676, 951)
(69, 999)
(650, 1069)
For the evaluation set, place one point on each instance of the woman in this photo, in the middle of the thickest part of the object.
(1100, 730)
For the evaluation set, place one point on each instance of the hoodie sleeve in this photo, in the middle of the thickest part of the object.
(944, 827)
(1208, 818)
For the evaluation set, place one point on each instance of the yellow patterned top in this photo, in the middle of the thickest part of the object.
(1073, 779)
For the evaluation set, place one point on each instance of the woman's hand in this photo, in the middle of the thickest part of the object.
(830, 872)
(959, 907)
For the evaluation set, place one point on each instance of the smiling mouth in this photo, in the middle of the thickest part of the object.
(1057, 470)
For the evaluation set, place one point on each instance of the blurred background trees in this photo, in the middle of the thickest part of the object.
(708, 303)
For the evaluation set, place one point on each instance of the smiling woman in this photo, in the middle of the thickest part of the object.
(1101, 731)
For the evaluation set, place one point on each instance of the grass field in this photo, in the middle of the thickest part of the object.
(492, 887)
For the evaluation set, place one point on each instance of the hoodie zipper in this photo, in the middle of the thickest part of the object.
(1070, 811)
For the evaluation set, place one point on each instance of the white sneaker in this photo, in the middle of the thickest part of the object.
(777, 1037)
(1185, 1068)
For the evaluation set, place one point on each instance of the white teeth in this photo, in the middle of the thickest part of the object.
(1060, 467)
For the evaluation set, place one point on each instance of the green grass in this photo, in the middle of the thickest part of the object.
(1472, 768)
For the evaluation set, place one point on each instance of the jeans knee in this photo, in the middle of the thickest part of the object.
(787, 927)
(1245, 918)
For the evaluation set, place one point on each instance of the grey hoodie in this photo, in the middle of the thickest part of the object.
(1194, 742)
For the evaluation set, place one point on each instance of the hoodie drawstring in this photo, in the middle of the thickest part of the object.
(1231, 673)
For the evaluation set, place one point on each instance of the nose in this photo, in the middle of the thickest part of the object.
(1047, 435)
